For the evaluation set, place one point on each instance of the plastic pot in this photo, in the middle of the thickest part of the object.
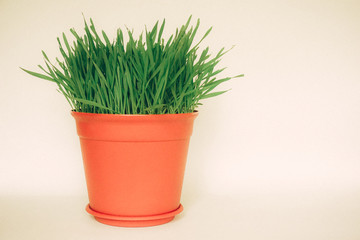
(134, 165)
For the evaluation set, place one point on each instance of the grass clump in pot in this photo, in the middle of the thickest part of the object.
(148, 75)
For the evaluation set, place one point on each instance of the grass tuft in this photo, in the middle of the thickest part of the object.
(148, 75)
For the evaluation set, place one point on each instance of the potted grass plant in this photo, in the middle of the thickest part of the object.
(134, 102)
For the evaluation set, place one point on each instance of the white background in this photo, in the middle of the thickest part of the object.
(277, 157)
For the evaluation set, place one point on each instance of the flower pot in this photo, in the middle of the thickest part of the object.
(134, 165)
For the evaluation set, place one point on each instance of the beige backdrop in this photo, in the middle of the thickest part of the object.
(289, 132)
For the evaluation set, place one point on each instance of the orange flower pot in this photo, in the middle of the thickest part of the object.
(134, 165)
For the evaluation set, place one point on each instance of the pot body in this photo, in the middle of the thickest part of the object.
(134, 165)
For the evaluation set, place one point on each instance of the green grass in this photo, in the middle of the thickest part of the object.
(148, 75)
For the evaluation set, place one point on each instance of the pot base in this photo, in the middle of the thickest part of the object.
(136, 221)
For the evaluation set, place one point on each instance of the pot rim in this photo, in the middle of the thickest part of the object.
(128, 116)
